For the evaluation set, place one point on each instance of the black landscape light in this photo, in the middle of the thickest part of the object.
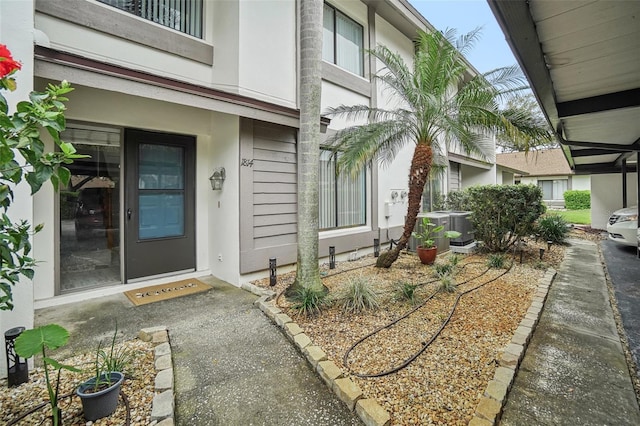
(541, 253)
(376, 247)
(272, 271)
(17, 368)
(332, 257)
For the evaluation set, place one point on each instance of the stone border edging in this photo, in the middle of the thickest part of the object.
(162, 411)
(490, 406)
(368, 409)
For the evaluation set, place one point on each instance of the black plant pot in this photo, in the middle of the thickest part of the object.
(103, 403)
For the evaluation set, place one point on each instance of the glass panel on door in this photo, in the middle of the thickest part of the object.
(160, 191)
(90, 212)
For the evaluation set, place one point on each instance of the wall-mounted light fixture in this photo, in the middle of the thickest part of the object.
(217, 178)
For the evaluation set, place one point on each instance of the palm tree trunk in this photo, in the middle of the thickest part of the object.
(307, 269)
(418, 176)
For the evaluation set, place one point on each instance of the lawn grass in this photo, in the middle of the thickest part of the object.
(579, 217)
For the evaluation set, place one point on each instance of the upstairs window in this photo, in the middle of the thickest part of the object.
(342, 41)
(181, 15)
(342, 201)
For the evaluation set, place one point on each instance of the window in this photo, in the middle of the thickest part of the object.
(342, 198)
(342, 41)
(553, 189)
(432, 197)
(182, 15)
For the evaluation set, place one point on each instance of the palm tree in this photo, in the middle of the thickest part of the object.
(439, 102)
(307, 269)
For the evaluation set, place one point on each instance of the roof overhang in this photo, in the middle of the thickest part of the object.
(583, 63)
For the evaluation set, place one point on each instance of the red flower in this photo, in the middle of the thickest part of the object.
(7, 63)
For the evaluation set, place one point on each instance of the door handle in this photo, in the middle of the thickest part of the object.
(128, 214)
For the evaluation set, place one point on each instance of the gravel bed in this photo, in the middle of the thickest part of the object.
(444, 383)
(138, 387)
(442, 386)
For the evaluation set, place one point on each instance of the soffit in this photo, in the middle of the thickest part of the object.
(582, 58)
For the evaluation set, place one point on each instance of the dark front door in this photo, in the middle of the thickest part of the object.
(159, 203)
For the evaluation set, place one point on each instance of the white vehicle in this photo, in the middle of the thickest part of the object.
(623, 226)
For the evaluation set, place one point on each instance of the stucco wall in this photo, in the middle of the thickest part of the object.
(472, 176)
(16, 33)
(606, 196)
(581, 182)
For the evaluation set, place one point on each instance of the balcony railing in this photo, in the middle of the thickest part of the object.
(182, 15)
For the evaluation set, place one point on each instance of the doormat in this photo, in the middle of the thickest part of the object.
(155, 293)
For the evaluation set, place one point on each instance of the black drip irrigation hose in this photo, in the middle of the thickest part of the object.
(69, 395)
(425, 345)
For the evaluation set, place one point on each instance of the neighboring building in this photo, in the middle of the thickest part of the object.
(165, 94)
(547, 169)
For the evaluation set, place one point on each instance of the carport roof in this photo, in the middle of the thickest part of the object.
(582, 59)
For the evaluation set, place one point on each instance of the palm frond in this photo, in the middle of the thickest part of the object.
(358, 145)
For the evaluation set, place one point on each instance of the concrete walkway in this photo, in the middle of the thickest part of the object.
(232, 365)
(574, 371)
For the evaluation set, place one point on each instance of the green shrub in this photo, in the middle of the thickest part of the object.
(457, 200)
(552, 227)
(577, 200)
(454, 259)
(496, 261)
(405, 291)
(359, 294)
(309, 300)
(503, 214)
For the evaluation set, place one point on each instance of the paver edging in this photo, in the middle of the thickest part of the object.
(163, 406)
(497, 391)
(371, 413)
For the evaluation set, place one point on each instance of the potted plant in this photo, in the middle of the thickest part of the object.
(427, 249)
(99, 394)
(32, 342)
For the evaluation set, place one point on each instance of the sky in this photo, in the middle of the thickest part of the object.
(491, 51)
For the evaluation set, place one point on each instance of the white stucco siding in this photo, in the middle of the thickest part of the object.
(225, 30)
(393, 177)
(333, 96)
(83, 41)
(221, 222)
(472, 176)
(581, 182)
(267, 62)
(389, 36)
(606, 196)
(16, 31)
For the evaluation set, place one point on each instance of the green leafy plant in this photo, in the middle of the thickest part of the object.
(37, 341)
(454, 259)
(309, 300)
(405, 291)
(429, 231)
(443, 268)
(109, 361)
(496, 261)
(23, 157)
(552, 227)
(447, 283)
(357, 295)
